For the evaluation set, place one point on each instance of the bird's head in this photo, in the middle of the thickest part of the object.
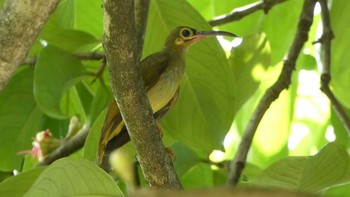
(182, 36)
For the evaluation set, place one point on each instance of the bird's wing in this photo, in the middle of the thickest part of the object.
(112, 126)
(152, 67)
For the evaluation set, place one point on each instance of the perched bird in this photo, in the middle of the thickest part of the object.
(162, 73)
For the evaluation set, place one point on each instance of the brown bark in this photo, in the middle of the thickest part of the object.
(20, 23)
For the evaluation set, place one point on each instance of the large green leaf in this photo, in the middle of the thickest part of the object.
(88, 15)
(249, 62)
(185, 158)
(340, 46)
(55, 71)
(203, 112)
(20, 184)
(72, 176)
(199, 176)
(275, 26)
(70, 40)
(330, 167)
(20, 118)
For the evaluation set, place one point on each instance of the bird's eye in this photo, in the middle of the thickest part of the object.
(186, 33)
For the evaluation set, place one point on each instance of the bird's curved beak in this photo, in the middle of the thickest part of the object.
(204, 34)
(214, 33)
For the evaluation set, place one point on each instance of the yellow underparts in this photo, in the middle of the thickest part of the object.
(163, 91)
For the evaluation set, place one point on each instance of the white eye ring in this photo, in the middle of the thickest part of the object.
(186, 33)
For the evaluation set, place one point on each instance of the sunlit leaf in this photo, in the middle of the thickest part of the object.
(341, 190)
(339, 68)
(307, 62)
(72, 176)
(249, 62)
(88, 15)
(328, 168)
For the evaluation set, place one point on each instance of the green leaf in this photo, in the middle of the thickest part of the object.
(330, 167)
(200, 176)
(20, 118)
(340, 132)
(89, 16)
(100, 101)
(55, 71)
(249, 62)
(63, 17)
(20, 184)
(71, 104)
(5, 175)
(203, 113)
(280, 25)
(342, 190)
(185, 158)
(91, 143)
(72, 176)
(307, 62)
(70, 40)
(340, 58)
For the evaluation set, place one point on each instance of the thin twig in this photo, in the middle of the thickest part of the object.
(325, 41)
(283, 82)
(81, 56)
(244, 11)
(68, 147)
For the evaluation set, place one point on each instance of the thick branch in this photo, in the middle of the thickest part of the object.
(283, 82)
(68, 147)
(20, 23)
(238, 13)
(121, 50)
(325, 40)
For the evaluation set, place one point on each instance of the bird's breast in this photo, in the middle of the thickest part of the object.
(163, 91)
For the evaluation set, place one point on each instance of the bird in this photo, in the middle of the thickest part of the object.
(161, 73)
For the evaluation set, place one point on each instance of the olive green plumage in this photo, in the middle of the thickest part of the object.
(162, 73)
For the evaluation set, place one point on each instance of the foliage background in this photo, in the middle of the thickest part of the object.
(218, 95)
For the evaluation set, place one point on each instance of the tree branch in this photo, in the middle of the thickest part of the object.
(222, 192)
(68, 147)
(121, 50)
(283, 82)
(141, 15)
(81, 56)
(238, 13)
(325, 40)
(20, 23)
